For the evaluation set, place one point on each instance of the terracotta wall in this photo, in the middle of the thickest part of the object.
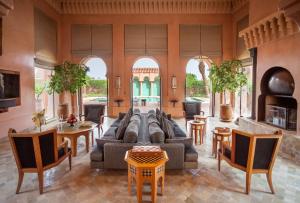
(170, 64)
(261, 8)
(18, 55)
(283, 52)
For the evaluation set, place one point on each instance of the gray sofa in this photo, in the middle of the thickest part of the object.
(110, 151)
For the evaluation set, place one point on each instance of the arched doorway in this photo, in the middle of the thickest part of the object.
(145, 84)
(96, 90)
(197, 85)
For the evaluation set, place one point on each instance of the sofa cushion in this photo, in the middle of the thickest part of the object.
(136, 118)
(167, 128)
(96, 154)
(190, 154)
(178, 131)
(187, 141)
(111, 132)
(102, 141)
(132, 132)
(123, 125)
(156, 134)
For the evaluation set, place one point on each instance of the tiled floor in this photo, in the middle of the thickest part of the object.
(204, 184)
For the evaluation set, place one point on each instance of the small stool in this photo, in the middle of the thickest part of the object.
(219, 134)
(149, 168)
(197, 129)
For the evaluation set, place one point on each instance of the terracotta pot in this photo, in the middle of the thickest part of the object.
(63, 110)
(226, 112)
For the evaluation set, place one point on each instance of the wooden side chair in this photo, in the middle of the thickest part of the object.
(94, 113)
(37, 152)
(252, 153)
(190, 109)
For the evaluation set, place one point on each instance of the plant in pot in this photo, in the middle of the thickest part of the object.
(227, 77)
(67, 77)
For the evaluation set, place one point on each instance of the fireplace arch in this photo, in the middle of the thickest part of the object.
(276, 103)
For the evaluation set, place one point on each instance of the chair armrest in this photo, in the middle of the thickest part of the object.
(64, 145)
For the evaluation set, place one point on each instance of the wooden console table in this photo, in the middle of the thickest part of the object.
(150, 167)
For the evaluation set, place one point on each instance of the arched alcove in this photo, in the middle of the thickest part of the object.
(145, 84)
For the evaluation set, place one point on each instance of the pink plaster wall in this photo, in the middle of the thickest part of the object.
(261, 8)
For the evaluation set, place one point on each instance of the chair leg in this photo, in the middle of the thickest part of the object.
(20, 181)
(41, 181)
(269, 178)
(70, 161)
(219, 162)
(248, 182)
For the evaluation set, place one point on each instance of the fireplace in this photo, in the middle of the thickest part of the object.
(276, 105)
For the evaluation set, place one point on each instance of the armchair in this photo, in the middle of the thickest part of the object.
(36, 152)
(190, 109)
(251, 153)
(94, 113)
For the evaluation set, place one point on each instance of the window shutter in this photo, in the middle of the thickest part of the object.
(135, 39)
(190, 40)
(156, 39)
(81, 37)
(211, 40)
(101, 40)
(45, 30)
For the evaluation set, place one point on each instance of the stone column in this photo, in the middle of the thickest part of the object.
(141, 88)
(151, 88)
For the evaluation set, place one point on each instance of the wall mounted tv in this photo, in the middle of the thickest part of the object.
(9, 88)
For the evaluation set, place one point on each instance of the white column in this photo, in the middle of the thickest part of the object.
(151, 88)
(141, 88)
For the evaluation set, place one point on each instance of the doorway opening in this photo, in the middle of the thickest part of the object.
(145, 85)
(96, 89)
(197, 84)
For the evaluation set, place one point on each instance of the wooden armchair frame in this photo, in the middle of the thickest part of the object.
(250, 167)
(101, 117)
(39, 167)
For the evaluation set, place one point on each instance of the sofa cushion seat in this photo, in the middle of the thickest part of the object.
(190, 154)
(187, 141)
(96, 154)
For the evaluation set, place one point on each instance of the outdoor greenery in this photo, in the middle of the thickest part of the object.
(95, 87)
(39, 88)
(195, 87)
(68, 77)
(229, 76)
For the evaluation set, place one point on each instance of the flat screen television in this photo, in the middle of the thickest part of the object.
(9, 88)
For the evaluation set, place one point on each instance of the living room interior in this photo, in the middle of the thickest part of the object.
(149, 101)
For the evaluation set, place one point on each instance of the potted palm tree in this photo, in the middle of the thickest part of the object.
(227, 77)
(67, 77)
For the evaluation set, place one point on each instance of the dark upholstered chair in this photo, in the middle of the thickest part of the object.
(190, 109)
(94, 113)
(37, 152)
(252, 153)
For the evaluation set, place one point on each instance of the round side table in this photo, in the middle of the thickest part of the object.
(219, 135)
(197, 130)
(203, 119)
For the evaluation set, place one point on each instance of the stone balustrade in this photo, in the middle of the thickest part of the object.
(272, 27)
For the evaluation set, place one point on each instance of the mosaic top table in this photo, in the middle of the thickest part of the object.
(149, 167)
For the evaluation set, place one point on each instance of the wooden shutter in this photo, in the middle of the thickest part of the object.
(211, 40)
(190, 40)
(45, 30)
(101, 40)
(135, 39)
(81, 39)
(241, 50)
(156, 39)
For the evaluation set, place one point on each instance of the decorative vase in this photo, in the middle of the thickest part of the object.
(226, 112)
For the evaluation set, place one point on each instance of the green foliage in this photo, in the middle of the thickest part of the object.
(229, 76)
(39, 89)
(68, 77)
(195, 87)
